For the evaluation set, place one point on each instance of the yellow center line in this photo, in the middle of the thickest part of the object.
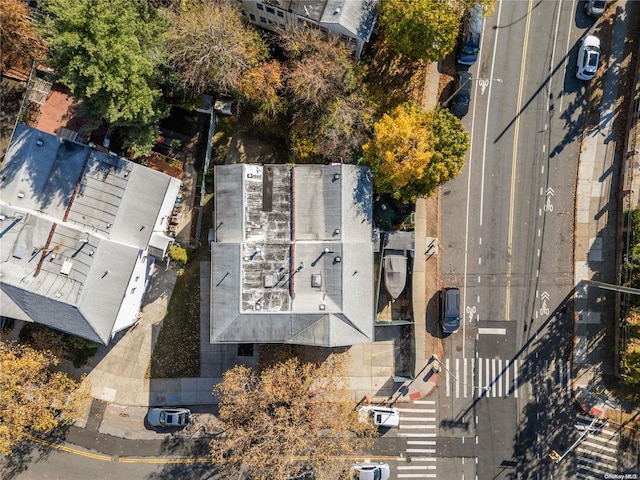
(75, 451)
(177, 460)
(514, 161)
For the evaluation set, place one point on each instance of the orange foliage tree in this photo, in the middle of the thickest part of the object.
(21, 42)
(288, 412)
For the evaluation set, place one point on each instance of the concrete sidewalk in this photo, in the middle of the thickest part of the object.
(595, 233)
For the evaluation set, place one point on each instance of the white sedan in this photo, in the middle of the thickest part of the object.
(169, 417)
(370, 471)
(588, 58)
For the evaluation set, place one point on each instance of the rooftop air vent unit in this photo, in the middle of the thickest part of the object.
(20, 195)
(269, 280)
(337, 259)
(39, 142)
(316, 280)
(336, 177)
(66, 267)
(2, 217)
(336, 231)
(126, 174)
(322, 306)
(84, 240)
(249, 175)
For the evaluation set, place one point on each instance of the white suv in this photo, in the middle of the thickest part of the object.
(381, 416)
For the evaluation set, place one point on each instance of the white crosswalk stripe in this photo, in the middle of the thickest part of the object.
(597, 453)
(475, 377)
(419, 425)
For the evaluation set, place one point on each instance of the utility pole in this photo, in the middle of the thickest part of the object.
(556, 457)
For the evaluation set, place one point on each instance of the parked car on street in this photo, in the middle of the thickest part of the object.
(169, 417)
(381, 416)
(462, 98)
(471, 36)
(595, 8)
(370, 471)
(450, 314)
(588, 58)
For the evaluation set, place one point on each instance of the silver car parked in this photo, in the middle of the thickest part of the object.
(169, 417)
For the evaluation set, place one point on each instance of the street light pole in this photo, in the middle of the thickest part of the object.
(446, 102)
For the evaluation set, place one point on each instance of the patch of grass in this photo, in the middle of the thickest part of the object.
(225, 127)
(177, 350)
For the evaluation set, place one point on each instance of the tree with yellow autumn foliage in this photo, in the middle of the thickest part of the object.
(33, 398)
(414, 151)
(288, 411)
(425, 29)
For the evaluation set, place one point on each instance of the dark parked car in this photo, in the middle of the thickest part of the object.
(450, 310)
(462, 98)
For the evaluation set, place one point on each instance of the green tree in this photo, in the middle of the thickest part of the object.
(109, 52)
(632, 365)
(211, 46)
(422, 29)
(33, 398)
(288, 410)
(413, 151)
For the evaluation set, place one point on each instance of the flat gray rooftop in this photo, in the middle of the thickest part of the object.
(290, 243)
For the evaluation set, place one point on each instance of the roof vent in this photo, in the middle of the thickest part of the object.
(316, 280)
(18, 252)
(58, 294)
(336, 177)
(322, 306)
(126, 174)
(269, 280)
(20, 195)
(337, 259)
(336, 11)
(2, 217)
(336, 231)
(84, 240)
(108, 225)
(249, 175)
(258, 306)
(66, 267)
(39, 142)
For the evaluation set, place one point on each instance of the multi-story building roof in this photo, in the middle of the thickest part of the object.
(292, 260)
(352, 21)
(76, 226)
